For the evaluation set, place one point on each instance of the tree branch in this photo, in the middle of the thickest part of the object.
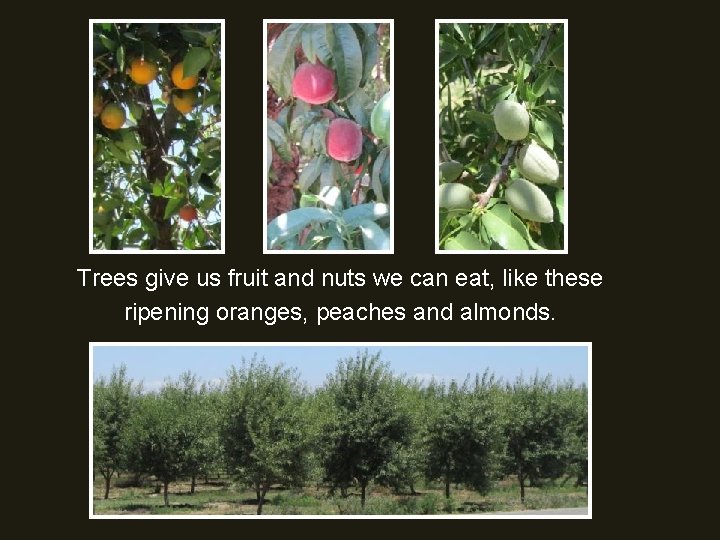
(500, 176)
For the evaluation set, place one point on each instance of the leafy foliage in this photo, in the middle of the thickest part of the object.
(164, 159)
(263, 429)
(366, 422)
(112, 409)
(480, 66)
(363, 425)
(312, 218)
(463, 433)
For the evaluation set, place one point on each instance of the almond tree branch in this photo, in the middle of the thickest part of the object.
(500, 176)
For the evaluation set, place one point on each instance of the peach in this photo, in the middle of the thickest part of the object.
(314, 83)
(344, 140)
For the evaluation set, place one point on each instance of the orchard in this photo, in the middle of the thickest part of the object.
(156, 128)
(329, 106)
(366, 441)
(502, 137)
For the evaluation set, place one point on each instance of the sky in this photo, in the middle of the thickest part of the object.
(153, 364)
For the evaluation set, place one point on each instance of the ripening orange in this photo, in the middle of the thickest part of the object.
(184, 83)
(188, 212)
(142, 71)
(183, 101)
(97, 105)
(113, 116)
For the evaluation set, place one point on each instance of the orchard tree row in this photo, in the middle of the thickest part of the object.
(365, 424)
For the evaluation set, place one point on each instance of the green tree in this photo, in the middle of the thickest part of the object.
(535, 430)
(366, 422)
(406, 465)
(159, 165)
(171, 436)
(463, 433)
(337, 183)
(112, 408)
(483, 68)
(263, 431)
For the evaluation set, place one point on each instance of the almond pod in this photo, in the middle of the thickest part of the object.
(512, 120)
(456, 196)
(450, 170)
(529, 201)
(535, 164)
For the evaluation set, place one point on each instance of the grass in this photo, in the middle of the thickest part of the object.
(226, 498)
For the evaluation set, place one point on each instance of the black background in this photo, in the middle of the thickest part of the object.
(70, 316)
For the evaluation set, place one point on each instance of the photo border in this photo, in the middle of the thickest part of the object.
(265, 249)
(223, 198)
(437, 249)
(359, 344)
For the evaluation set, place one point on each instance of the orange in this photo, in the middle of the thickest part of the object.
(113, 116)
(184, 83)
(183, 101)
(97, 105)
(142, 71)
(188, 212)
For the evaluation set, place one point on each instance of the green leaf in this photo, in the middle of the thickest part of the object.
(173, 205)
(466, 241)
(502, 233)
(541, 84)
(291, 223)
(376, 169)
(560, 204)
(348, 60)
(281, 60)
(310, 173)
(277, 136)
(464, 30)
(308, 45)
(357, 105)
(157, 188)
(306, 143)
(119, 154)
(368, 211)
(484, 119)
(134, 236)
(371, 50)
(544, 131)
(323, 39)
(504, 212)
(373, 236)
(136, 110)
(108, 43)
(329, 174)
(196, 59)
(120, 56)
(299, 123)
(319, 136)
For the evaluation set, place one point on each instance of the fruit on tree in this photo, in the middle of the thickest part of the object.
(113, 116)
(184, 101)
(180, 81)
(344, 140)
(450, 170)
(142, 71)
(98, 105)
(188, 212)
(314, 83)
(537, 165)
(380, 118)
(529, 201)
(455, 196)
(512, 120)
